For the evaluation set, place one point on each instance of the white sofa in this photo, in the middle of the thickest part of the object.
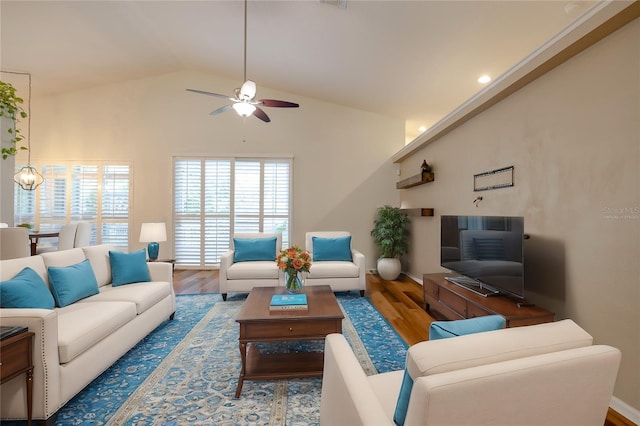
(241, 277)
(547, 374)
(75, 344)
(340, 275)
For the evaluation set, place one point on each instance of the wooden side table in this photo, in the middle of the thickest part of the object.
(16, 357)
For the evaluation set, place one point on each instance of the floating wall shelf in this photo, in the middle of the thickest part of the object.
(418, 212)
(416, 180)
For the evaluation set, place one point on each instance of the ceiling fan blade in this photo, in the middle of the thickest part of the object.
(278, 104)
(261, 115)
(248, 90)
(202, 92)
(221, 109)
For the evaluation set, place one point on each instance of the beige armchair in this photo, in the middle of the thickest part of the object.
(335, 262)
(546, 374)
(250, 262)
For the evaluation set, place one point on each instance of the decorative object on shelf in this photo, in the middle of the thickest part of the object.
(153, 233)
(27, 177)
(425, 167)
(244, 103)
(391, 235)
(295, 263)
(494, 179)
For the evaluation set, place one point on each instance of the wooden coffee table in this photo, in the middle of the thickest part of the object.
(259, 324)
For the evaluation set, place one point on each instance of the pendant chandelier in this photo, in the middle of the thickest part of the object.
(28, 177)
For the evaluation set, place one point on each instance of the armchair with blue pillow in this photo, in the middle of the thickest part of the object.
(250, 262)
(335, 262)
(545, 374)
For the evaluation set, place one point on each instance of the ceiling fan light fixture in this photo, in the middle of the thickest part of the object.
(244, 109)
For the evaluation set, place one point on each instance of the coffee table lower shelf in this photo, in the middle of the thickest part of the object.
(278, 366)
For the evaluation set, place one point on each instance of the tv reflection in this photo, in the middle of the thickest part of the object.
(491, 257)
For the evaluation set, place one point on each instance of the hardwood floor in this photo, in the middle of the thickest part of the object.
(401, 302)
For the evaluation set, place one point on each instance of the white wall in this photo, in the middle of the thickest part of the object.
(342, 166)
(573, 137)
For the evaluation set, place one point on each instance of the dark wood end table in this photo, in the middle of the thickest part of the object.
(16, 357)
(260, 324)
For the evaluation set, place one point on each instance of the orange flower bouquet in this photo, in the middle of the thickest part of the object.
(293, 261)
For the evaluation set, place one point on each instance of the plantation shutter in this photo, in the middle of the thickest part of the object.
(95, 193)
(215, 198)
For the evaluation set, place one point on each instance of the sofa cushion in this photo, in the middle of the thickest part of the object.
(72, 283)
(443, 330)
(144, 295)
(253, 271)
(82, 325)
(63, 257)
(333, 269)
(127, 268)
(254, 249)
(26, 290)
(9, 268)
(326, 249)
(99, 258)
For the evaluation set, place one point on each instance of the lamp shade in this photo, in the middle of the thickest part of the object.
(153, 232)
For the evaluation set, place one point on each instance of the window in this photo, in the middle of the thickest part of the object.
(215, 198)
(96, 193)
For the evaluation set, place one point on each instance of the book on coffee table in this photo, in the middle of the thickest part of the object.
(9, 331)
(288, 301)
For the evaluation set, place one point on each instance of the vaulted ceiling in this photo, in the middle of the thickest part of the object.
(415, 60)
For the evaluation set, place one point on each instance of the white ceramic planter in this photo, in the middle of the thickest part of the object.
(389, 268)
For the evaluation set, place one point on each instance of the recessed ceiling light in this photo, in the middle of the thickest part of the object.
(484, 79)
(422, 128)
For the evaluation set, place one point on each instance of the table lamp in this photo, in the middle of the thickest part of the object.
(153, 233)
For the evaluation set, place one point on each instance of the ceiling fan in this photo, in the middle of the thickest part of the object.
(243, 102)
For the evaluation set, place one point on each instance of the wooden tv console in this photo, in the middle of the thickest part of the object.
(454, 302)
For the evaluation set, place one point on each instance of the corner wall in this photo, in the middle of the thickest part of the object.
(573, 136)
(342, 156)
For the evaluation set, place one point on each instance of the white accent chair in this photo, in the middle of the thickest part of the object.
(546, 374)
(67, 236)
(83, 235)
(14, 243)
(340, 275)
(241, 277)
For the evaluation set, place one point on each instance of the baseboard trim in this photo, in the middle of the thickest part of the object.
(625, 410)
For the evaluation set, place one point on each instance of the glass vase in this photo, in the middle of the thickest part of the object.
(294, 282)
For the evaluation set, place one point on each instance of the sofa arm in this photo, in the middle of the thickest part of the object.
(347, 397)
(359, 260)
(46, 364)
(226, 260)
(161, 271)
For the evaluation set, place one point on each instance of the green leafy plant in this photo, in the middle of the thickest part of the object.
(11, 107)
(391, 231)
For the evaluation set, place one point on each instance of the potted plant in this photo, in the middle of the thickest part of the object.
(391, 234)
(11, 109)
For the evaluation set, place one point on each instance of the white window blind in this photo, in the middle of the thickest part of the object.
(96, 193)
(215, 198)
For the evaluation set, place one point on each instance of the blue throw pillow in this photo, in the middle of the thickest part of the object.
(254, 249)
(72, 283)
(331, 248)
(127, 268)
(442, 330)
(26, 290)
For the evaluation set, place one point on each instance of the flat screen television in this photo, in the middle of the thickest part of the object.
(487, 253)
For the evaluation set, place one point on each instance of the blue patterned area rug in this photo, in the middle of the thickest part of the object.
(186, 372)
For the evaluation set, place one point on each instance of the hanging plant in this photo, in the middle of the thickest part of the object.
(11, 108)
